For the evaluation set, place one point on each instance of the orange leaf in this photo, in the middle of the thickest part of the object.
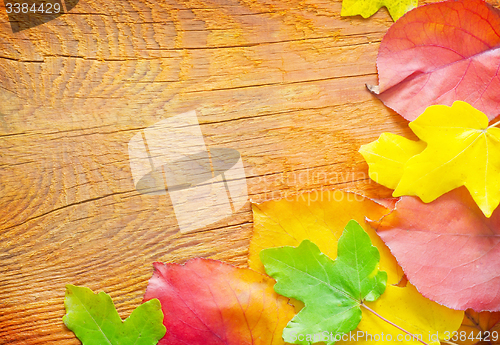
(207, 302)
(475, 323)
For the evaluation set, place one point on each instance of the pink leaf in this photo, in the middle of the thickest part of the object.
(448, 249)
(207, 302)
(441, 53)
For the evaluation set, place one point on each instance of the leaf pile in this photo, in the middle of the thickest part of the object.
(288, 223)
(438, 66)
(208, 302)
(333, 292)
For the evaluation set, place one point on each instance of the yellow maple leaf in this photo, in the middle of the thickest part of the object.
(367, 8)
(407, 308)
(321, 217)
(387, 156)
(461, 151)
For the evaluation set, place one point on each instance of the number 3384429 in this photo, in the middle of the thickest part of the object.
(42, 8)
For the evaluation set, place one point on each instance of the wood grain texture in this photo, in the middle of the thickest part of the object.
(281, 81)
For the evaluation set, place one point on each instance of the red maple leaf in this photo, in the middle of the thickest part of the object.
(441, 53)
(447, 248)
(207, 302)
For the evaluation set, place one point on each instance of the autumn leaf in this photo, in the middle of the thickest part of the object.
(440, 53)
(321, 216)
(207, 302)
(483, 327)
(333, 292)
(95, 321)
(461, 151)
(387, 156)
(408, 309)
(447, 248)
(318, 216)
(367, 8)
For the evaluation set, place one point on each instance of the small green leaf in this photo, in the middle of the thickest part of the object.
(332, 291)
(95, 321)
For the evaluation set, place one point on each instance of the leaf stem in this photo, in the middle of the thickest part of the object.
(391, 323)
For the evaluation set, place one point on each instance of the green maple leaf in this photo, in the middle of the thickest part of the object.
(367, 8)
(332, 291)
(95, 321)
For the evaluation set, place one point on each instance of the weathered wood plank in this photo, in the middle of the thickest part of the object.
(281, 81)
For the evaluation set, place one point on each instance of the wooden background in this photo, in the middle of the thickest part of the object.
(281, 81)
